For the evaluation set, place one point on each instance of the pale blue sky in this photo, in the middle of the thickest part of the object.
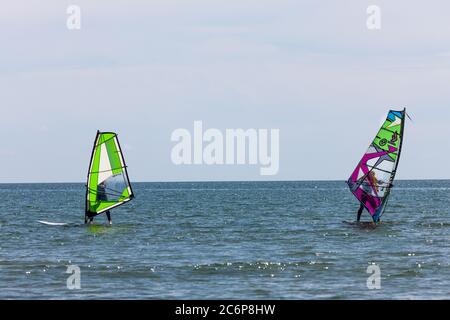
(145, 68)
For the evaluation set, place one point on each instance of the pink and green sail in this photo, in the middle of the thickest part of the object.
(373, 178)
(108, 185)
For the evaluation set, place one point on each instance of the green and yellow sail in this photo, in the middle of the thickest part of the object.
(108, 184)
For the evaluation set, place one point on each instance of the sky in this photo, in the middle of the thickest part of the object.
(311, 69)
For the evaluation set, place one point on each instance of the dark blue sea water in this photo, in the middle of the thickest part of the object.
(225, 240)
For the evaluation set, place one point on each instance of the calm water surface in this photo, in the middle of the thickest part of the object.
(225, 240)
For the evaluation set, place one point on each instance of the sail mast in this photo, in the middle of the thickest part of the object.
(88, 174)
(394, 172)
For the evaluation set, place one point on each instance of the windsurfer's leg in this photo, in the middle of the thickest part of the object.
(88, 218)
(108, 215)
(360, 211)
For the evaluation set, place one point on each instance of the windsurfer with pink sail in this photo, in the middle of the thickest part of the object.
(372, 179)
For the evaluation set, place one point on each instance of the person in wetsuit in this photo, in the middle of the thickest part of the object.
(101, 196)
(366, 186)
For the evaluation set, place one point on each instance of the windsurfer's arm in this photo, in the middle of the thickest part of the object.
(376, 183)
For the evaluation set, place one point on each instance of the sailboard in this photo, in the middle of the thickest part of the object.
(372, 180)
(108, 185)
(48, 223)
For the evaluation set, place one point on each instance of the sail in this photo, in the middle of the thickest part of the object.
(108, 185)
(371, 181)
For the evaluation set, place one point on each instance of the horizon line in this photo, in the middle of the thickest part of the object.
(210, 181)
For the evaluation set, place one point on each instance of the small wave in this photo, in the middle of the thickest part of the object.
(434, 224)
(260, 266)
(406, 274)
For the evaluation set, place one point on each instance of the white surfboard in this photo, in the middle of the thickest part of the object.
(52, 223)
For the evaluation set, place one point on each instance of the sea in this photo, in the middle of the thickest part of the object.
(225, 240)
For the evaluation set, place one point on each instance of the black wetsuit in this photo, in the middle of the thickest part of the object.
(360, 211)
(365, 198)
(101, 195)
(108, 215)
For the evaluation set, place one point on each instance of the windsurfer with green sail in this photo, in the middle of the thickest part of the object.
(372, 179)
(108, 185)
(101, 196)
